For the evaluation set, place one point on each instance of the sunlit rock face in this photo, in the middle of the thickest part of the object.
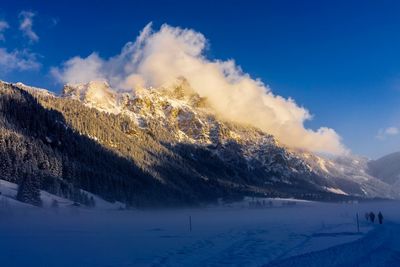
(97, 94)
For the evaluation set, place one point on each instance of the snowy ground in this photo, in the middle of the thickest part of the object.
(220, 236)
(8, 193)
(379, 247)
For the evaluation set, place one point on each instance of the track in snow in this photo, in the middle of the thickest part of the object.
(378, 248)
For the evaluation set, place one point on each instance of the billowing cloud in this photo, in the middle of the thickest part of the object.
(17, 60)
(26, 25)
(158, 58)
(3, 26)
(384, 133)
(78, 70)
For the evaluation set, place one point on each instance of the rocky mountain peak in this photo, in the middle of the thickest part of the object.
(97, 94)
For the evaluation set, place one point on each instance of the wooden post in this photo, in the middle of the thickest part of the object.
(190, 223)
(358, 225)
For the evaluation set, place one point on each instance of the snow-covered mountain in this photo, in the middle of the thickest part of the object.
(190, 119)
(386, 168)
(353, 169)
(172, 133)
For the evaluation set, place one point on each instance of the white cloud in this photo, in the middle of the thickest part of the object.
(384, 133)
(3, 26)
(77, 70)
(54, 22)
(159, 58)
(17, 60)
(26, 24)
(392, 131)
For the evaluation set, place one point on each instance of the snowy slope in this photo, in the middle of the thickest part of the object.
(380, 247)
(386, 168)
(9, 192)
(350, 168)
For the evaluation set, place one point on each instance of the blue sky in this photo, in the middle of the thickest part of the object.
(339, 59)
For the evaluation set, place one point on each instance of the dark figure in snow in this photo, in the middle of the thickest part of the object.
(372, 217)
(380, 218)
(367, 216)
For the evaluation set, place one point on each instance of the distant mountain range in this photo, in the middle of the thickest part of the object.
(386, 168)
(162, 147)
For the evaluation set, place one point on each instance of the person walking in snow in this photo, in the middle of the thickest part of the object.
(372, 217)
(380, 218)
(367, 216)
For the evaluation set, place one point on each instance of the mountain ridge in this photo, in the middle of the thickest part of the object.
(176, 140)
(386, 168)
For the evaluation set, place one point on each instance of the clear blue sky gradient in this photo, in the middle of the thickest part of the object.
(339, 59)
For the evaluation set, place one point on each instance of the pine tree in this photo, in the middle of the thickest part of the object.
(92, 202)
(29, 190)
(54, 204)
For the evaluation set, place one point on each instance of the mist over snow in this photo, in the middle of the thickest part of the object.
(158, 58)
(226, 235)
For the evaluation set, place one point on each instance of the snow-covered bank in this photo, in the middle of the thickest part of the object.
(8, 193)
(379, 247)
(220, 236)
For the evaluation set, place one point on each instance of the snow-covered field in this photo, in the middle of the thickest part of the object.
(233, 235)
